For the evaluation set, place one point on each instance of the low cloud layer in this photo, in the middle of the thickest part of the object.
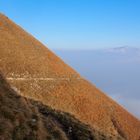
(116, 72)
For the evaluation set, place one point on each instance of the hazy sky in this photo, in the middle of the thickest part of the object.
(78, 24)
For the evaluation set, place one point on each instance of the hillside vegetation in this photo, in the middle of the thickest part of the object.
(25, 119)
(36, 73)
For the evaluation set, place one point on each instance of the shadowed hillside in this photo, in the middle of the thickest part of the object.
(35, 72)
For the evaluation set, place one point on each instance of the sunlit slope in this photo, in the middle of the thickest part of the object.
(35, 72)
(19, 50)
(22, 118)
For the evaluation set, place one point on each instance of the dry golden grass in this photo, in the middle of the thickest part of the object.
(25, 51)
(26, 119)
(22, 56)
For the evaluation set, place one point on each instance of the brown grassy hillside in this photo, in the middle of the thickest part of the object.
(25, 119)
(35, 72)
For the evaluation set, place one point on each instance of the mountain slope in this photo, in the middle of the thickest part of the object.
(22, 118)
(35, 72)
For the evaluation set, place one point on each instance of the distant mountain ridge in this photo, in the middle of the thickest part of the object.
(37, 73)
(124, 49)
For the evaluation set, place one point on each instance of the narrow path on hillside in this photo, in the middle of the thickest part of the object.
(42, 79)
